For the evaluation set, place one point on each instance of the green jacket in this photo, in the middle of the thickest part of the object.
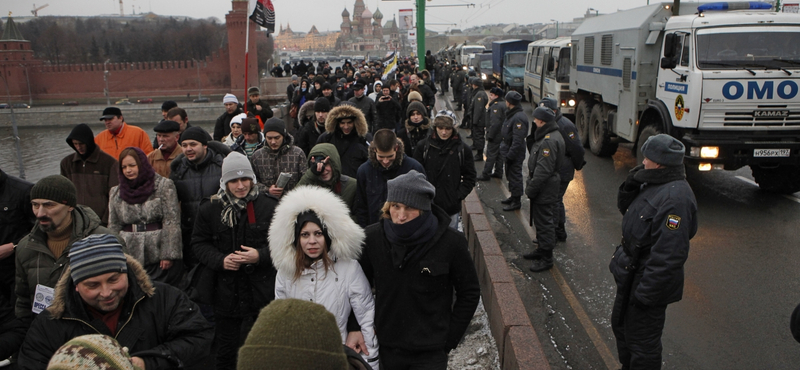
(36, 264)
(343, 185)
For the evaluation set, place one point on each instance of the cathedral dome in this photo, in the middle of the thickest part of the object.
(378, 15)
(345, 13)
(366, 14)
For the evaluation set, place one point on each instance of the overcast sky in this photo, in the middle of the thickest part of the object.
(326, 14)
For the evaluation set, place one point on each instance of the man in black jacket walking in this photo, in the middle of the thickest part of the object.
(659, 218)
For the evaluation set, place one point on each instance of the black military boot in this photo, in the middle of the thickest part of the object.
(508, 200)
(483, 177)
(544, 263)
(535, 255)
(515, 204)
(479, 156)
(561, 233)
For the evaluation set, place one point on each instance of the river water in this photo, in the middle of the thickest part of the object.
(43, 148)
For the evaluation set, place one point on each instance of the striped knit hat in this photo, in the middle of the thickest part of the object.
(91, 352)
(96, 255)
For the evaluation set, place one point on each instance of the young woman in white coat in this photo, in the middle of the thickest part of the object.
(315, 245)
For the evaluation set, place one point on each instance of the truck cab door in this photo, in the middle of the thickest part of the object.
(675, 79)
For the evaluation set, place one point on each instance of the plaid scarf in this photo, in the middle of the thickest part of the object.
(232, 206)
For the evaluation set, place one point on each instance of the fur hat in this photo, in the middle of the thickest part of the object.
(293, 334)
(496, 91)
(513, 97)
(549, 102)
(91, 352)
(544, 114)
(253, 91)
(414, 96)
(664, 150)
(236, 166)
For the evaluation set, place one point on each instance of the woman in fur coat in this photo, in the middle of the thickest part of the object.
(315, 246)
(143, 209)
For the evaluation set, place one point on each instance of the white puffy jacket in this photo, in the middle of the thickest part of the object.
(343, 287)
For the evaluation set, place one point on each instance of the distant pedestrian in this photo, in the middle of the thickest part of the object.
(179, 115)
(93, 171)
(365, 104)
(165, 107)
(478, 116)
(495, 116)
(416, 127)
(388, 112)
(119, 135)
(258, 107)
(236, 130)
(347, 129)
(232, 108)
(251, 139)
(514, 131)
(279, 156)
(315, 247)
(307, 136)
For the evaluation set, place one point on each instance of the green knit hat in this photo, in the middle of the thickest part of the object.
(56, 188)
(91, 352)
(293, 334)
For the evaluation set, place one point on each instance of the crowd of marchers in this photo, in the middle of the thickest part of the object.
(237, 247)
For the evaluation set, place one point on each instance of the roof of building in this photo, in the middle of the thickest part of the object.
(11, 32)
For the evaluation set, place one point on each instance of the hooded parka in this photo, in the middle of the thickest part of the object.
(342, 288)
(342, 185)
(352, 148)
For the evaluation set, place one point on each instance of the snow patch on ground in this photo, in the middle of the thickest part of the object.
(478, 350)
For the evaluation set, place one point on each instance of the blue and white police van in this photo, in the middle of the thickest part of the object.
(721, 77)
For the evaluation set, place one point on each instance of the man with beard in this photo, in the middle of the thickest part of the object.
(93, 171)
(42, 255)
(108, 292)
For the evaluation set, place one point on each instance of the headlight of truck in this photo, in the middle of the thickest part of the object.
(517, 79)
(571, 102)
(483, 76)
(704, 152)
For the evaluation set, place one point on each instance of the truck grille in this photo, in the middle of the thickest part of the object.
(762, 116)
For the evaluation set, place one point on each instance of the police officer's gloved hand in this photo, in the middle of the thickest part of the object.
(631, 184)
(637, 303)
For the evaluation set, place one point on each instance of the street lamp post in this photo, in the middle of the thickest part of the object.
(553, 20)
(105, 78)
(199, 86)
(28, 81)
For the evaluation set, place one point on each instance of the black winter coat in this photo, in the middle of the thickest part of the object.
(495, 116)
(372, 190)
(450, 167)
(414, 308)
(661, 219)
(352, 149)
(367, 106)
(514, 131)
(244, 292)
(266, 112)
(222, 127)
(308, 135)
(158, 323)
(574, 151)
(547, 155)
(195, 181)
(388, 114)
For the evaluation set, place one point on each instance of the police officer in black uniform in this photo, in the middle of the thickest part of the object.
(544, 163)
(574, 160)
(659, 219)
(515, 128)
(477, 109)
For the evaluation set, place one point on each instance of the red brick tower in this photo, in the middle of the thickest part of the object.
(16, 60)
(236, 21)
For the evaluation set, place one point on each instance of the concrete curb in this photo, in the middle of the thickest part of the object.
(517, 343)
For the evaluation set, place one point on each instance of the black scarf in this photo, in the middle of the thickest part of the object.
(639, 178)
(404, 238)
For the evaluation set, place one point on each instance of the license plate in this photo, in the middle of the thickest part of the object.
(771, 113)
(771, 152)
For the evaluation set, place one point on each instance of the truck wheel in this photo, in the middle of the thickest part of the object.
(582, 121)
(599, 140)
(782, 180)
(647, 131)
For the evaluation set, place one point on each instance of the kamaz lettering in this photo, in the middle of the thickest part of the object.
(734, 90)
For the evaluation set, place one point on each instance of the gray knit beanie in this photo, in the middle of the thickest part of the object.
(95, 255)
(235, 166)
(664, 150)
(56, 188)
(411, 189)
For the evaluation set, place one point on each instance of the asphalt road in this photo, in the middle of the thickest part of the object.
(742, 274)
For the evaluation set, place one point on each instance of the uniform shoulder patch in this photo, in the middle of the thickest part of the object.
(547, 136)
(545, 152)
(571, 135)
(519, 126)
(673, 222)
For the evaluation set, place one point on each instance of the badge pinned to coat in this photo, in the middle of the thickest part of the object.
(673, 222)
(545, 152)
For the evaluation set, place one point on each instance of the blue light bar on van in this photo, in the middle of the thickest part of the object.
(734, 6)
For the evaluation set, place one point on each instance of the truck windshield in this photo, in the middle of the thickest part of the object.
(737, 50)
(516, 60)
(486, 64)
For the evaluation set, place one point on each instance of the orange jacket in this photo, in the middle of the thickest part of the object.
(161, 164)
(128, 136)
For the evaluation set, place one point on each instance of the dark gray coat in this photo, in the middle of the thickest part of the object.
(574, 149)
(514, 131)
(495, 116)
(547, 154)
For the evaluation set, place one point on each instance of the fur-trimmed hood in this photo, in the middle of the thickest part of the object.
(338, 113)
(398, 159)
(346, 236)
(66, 285)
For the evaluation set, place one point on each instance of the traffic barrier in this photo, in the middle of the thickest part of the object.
(517, 343)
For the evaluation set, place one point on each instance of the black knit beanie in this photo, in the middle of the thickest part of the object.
(310, 216)
(293, 334)
(275, 124)
(56, 188)
(194, 133)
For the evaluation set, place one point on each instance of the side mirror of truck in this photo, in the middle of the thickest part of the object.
(551, 63)
(669, 45)
(668, 63)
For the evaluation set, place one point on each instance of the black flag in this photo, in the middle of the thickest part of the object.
(264, 15)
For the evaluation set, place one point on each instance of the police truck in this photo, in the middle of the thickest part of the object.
(722, 78)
